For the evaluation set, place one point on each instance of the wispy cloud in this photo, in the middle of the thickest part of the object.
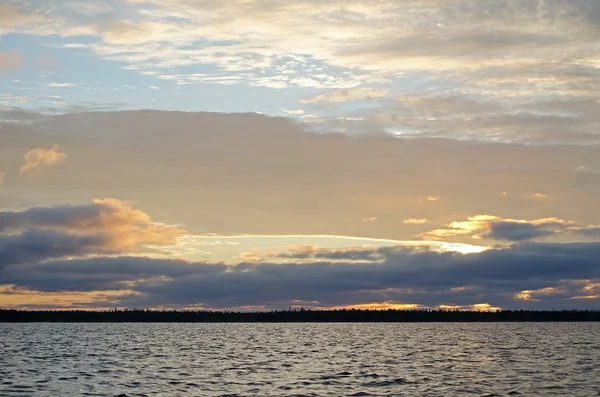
(36, 160)
(61, 85)
(431, 199)
(347, 95)
(369, 219)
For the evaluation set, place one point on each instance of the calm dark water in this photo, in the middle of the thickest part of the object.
(526, 359)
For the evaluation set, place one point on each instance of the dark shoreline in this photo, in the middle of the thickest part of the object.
(297, 316)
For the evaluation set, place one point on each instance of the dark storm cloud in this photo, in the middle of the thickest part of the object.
(423, 277)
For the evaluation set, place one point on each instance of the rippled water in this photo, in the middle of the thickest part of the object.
(299, 359)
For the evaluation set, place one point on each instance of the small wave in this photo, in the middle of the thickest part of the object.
(338, 375)
(374, 376)
(301, 395)
(397, 381)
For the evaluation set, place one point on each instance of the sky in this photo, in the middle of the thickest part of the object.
(262, 154)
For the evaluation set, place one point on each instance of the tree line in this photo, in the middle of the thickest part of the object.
(295, 315)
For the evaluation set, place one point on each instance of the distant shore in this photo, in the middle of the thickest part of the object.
(295, 315)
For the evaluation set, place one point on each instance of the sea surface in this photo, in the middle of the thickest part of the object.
(376, 359)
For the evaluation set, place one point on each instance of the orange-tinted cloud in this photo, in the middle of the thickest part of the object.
(127, 228)
(36, 160)
(415, 221)
(106, 225)
(23, 298)
(497, 228)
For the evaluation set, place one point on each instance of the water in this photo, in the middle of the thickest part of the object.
(543, 359)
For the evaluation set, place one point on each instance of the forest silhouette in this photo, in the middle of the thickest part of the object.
(296, 315)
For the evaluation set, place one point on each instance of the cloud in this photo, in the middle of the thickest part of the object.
(12, 18)
(129, 32)
(293, 112)
(2, 177)
(314, 252)
(415, 221)
(517, 231)
(36, 160)
(497, 277)
(10, 60)
(347, 95)
(369, 219)
(106, 226)
(222, 179)
(513, 230)
(452, 76)
(61, 85)
(433, 198)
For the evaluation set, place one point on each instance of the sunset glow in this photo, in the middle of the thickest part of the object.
(258, 155)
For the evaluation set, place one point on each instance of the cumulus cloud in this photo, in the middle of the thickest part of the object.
(36, 160)
(107, 226)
